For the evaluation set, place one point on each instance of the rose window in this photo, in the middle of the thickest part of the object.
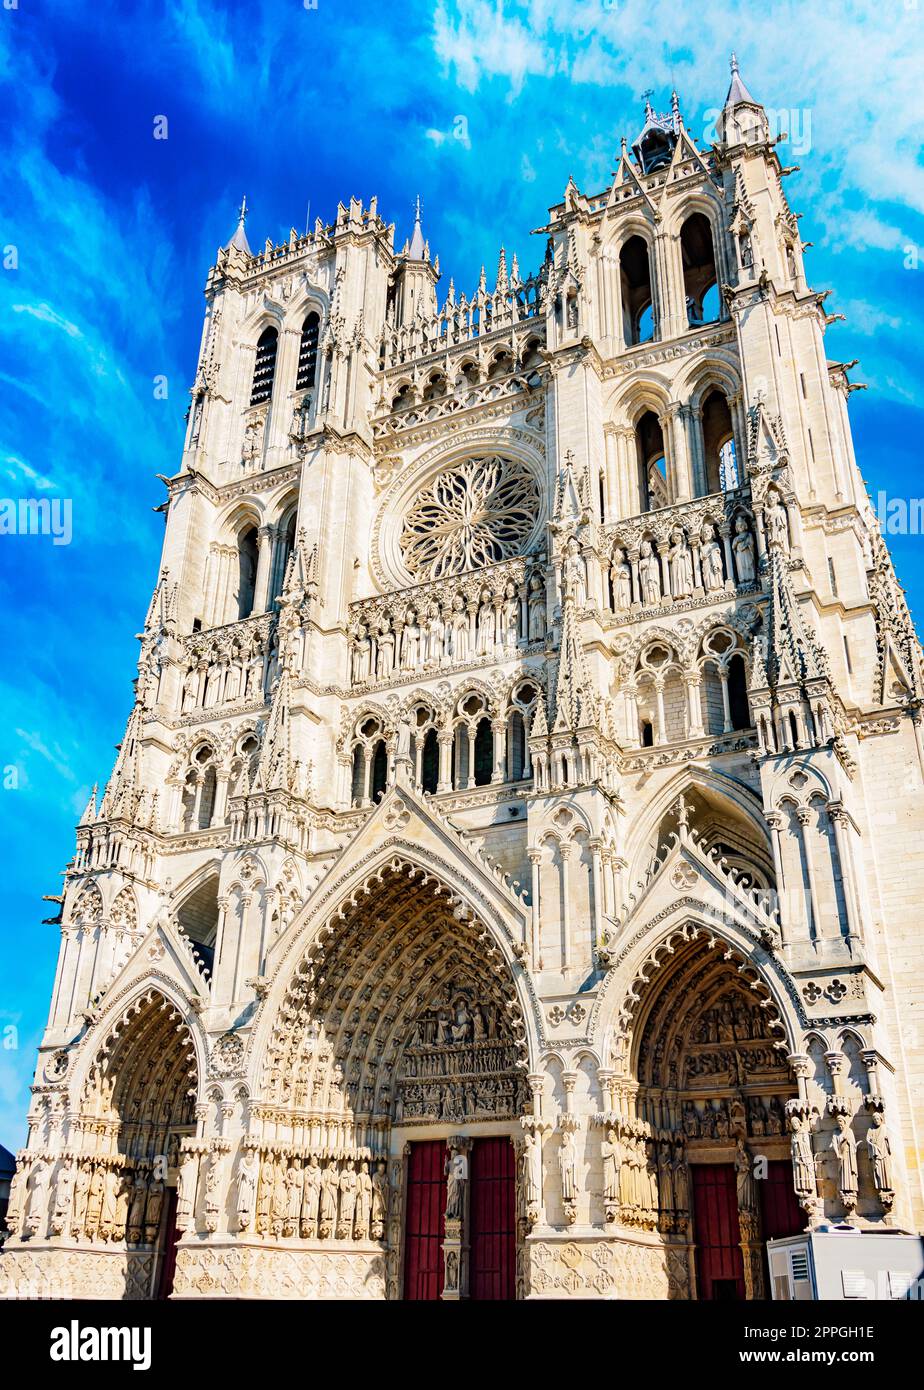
(478, 513)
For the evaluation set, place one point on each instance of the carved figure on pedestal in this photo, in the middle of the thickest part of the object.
(456, 1178)
(711, 560)
(621, 580)
(743, 547)
(247, 1175)
(311, 1198)
(649, 574)
(681, 565)
(379, 1200)
(880, 1157)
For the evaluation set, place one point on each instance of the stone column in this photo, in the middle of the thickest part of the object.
(445, 741)
(265, 538)
(773, 820)
(499, 731)
(841, 822)
(535, 859)
(566, 850)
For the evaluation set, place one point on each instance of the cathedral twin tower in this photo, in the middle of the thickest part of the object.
(522, 794)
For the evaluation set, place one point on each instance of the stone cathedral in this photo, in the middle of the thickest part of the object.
(507, 884)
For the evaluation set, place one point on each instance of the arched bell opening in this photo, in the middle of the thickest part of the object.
(703, 1054)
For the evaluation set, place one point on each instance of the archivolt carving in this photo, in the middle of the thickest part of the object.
(142, 1081)
(351, 1008)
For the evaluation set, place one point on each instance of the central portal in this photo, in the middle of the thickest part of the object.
(474, 1226)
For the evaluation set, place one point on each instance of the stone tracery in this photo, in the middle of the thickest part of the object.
(477, 513)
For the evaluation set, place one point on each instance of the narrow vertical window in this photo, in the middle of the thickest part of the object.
(308, 353)
(832, 576)
(264, 367)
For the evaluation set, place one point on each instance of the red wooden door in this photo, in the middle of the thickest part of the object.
(492, 1214)
(171, 1236)
(780, 1213)
(719, 1266)
(424, 1226)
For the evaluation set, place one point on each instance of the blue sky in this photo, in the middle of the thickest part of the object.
(484, 110)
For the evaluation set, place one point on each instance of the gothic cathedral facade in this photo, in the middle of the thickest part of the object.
(508, 881)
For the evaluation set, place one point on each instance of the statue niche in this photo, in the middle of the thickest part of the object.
(460, 1062)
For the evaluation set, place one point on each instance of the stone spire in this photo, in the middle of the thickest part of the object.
(417, 250)
(239, 241)
(737, 91)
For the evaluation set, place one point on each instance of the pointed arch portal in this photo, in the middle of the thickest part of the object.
(704, 1079)
(401, 1029)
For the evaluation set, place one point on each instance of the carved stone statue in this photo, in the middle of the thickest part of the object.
(81, 1191)
(575, 573)
(36, 1188)
(649, 574)
(777, 523)
(681, 565)
(186, 1188)
(803, 1162)
(330, 1187)
(379, 1200)
(743, 547)
(64, 1187)
(247, 1174)
(153, 1210)
(458, 621)
(744, 1174)
(680, 1178)
(567, 1166)
(711, 560)
(385, 656)
(363, 1202)
(135, 1227)
(880, 1157)
(362, 655)
(410, 641)
(456, 1178)
(536, 607)
(532, 1167)
(845, 1149)
(486, 625)
(347, 1200)
(611, 1150)
(621, 580)
(293, 1197)
(311, 1197)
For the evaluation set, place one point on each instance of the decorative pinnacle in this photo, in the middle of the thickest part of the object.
(734, 64)
(242, 214)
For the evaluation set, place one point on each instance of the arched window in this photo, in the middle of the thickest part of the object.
(264, 367)
(647, 734)
(247, 572)
(700, 282)
(738, 693)
(379, 770)
(637, 299)
(717, 436)
(649, 439)
(359, 765)
(207, 799)
(516, 747)
(484, 753)
(430, 762)
(308, 353)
